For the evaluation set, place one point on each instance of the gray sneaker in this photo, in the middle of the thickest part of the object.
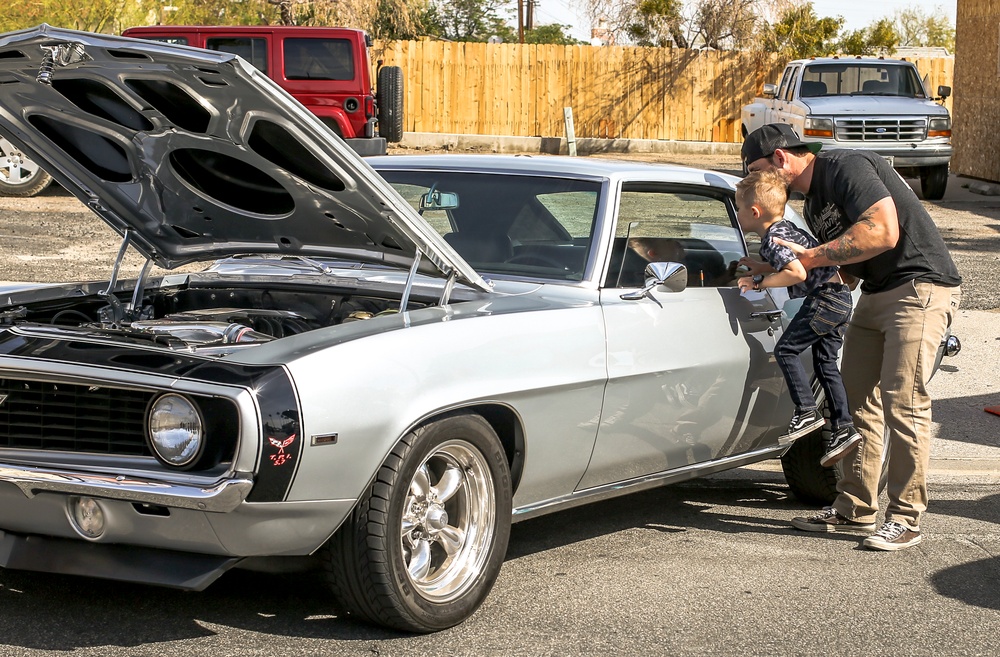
(892, 536)
(828, 520)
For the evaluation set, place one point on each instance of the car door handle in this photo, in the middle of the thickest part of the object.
(769, 315)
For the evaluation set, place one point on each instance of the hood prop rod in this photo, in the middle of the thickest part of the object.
(117, 312)
(405, 299)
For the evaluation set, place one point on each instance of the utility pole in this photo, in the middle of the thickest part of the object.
(520, 21)
(530, 22)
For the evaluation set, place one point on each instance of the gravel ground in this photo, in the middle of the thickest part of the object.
(53, 237)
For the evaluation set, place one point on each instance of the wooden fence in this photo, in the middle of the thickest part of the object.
(615, 92)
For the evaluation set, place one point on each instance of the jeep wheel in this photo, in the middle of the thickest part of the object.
(425, 543)
(934, 181)
(19, 175)
(390, 103)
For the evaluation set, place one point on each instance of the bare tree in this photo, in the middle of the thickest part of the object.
(722, 24)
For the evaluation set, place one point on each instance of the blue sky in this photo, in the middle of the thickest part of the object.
(856, 13)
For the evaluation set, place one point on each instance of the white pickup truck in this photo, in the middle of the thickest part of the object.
(871, 103)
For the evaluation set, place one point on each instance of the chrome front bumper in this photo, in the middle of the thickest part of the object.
(221, 496)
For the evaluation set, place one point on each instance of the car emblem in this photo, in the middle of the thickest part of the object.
(281, 457)
(880, 130)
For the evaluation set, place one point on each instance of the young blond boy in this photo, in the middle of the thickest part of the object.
(820, 322)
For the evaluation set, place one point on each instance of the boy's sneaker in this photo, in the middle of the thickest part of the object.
(892, 536)
(803, 422)
(828, 520)
(841, 442)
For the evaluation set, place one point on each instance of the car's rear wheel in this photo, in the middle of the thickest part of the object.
(934, 182)
(19, 174)
(390, 103)
(425, 543)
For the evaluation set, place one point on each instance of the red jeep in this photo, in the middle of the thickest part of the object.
(327, 69)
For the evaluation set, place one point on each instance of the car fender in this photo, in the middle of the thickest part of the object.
(370, 391)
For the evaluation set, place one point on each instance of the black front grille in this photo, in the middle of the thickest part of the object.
(73, 418)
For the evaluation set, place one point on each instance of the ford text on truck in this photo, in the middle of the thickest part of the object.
(870, 103)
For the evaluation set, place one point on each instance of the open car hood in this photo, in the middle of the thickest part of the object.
(198, 155)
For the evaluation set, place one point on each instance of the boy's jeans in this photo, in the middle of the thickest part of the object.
(820, 324)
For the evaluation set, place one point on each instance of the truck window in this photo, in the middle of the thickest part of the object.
(252, 50)
(318, 59)
(863, 79)
(789, 92)
(783, 85)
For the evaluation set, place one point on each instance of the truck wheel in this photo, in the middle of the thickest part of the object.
(19, 175)
(390, 103)
(933, 181)
(425, 543)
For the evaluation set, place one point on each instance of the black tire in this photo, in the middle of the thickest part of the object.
(934, 182)
(390, 103)
(19, 175)
(810, 482)
(410, 557)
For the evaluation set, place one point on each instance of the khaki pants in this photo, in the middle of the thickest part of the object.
(889, 353)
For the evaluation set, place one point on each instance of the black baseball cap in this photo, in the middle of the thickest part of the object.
(766, 139)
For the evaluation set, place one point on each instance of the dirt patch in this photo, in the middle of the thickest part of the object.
(53, 237)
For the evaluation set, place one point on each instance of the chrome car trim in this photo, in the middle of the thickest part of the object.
(220, 497)
(616, 489)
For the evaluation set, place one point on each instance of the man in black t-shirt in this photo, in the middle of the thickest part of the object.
(871, 224)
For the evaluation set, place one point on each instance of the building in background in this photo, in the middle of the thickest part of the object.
(976, 122)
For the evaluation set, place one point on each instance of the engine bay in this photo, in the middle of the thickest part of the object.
(206, 320)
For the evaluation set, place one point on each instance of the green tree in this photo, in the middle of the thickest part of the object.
(467, 20)
(801, 33)
(878, 38)
(553, 33)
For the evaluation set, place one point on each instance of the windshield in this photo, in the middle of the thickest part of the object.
(860, 79)
(535, 226)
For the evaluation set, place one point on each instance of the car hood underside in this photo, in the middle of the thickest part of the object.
(197, 155)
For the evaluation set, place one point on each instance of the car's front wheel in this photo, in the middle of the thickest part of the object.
(425, 543)
(934, 182)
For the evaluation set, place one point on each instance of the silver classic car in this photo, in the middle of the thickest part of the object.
(379, 368)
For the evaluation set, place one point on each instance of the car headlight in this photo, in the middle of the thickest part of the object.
(939, 127)
(818, 128)
(176, 430)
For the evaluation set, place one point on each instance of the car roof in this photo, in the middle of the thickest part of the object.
(558, 165)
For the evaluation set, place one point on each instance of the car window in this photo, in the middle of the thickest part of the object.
(318, 59)
(695, 228)
(254, 50)
(521, 225)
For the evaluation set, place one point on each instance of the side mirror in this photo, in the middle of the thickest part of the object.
(770, 90)
(671, 275)
(944, 91)
(437, 200)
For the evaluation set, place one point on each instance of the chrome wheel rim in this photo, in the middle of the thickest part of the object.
(448, 523)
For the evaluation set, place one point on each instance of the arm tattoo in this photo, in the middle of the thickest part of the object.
(843, 249)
